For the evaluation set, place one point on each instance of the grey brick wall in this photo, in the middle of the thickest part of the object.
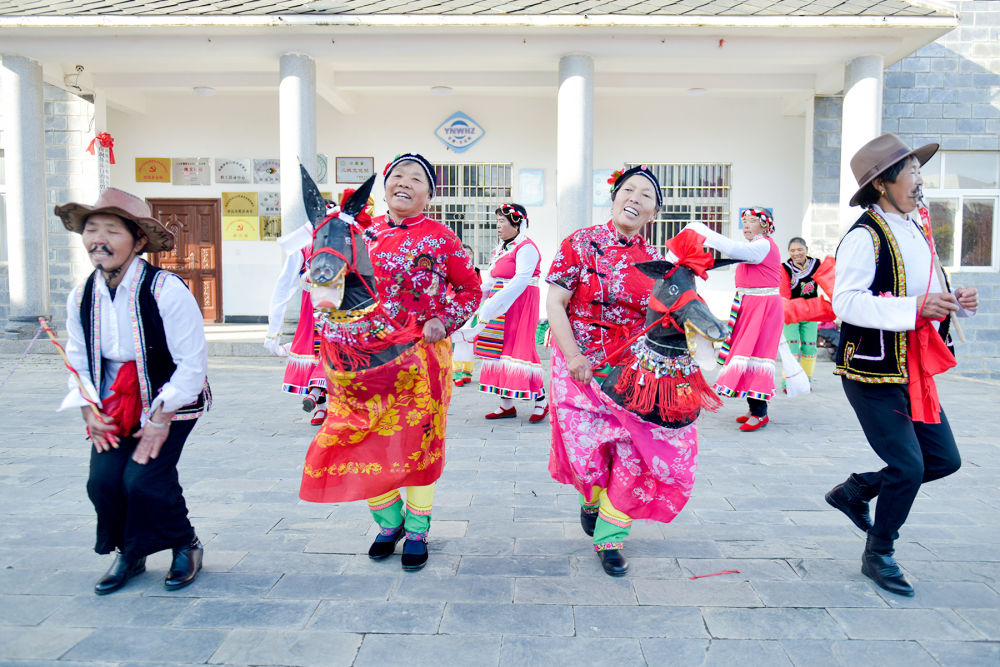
(947, 92)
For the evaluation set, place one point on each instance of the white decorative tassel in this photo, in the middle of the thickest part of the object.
(796, 380)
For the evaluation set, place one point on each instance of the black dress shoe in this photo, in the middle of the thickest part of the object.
(588, 520)
(121, 570)
(847, 497)
(614, 562)
(878, 564)
(385, 544)
(185, 566)
(414, 555)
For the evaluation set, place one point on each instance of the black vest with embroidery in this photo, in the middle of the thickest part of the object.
(875, 355)
(805, 287)
(156, 365)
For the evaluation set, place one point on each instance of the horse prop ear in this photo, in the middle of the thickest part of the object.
(725, 262)
(359, 200)
(655, 269)
(311, 198)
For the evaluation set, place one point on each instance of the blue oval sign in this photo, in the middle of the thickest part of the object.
(459, 132)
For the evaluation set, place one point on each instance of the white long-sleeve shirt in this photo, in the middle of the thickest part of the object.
(182, 324)
(751, 252)
(525, 262)
(852, 300)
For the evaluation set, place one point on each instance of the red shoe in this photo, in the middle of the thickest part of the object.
(742, 419)
(318, 417)
(509, 413)
(536, 417)
(761, 423)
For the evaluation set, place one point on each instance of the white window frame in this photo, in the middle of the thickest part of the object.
(466, 199)
(961, 194)
(683, 185)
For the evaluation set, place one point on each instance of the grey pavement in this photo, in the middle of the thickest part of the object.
(512, 579)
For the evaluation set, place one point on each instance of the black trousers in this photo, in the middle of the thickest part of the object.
(140, 508)
(914, 452)
(758, 408)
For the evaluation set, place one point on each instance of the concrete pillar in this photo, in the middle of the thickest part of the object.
(575, 144)
(27, 226)
(862, 122)
(297, 133)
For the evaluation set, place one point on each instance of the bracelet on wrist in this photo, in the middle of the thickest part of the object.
(150, 422)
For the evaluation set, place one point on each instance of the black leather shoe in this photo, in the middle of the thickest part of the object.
(588, 520)
(121, 570)
(878, 564)
(185, 566)
(847, 497)
(614, 562)
(385, 544)
(414, 555)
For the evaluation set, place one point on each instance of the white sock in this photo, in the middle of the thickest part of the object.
(506, 403)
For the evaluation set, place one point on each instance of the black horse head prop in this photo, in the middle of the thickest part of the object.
(340, 269)
(658, 378)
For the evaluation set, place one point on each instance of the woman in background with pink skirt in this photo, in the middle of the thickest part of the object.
(509, 318)
(757, 316)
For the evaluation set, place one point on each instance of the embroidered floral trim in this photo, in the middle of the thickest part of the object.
(416, 537)
(607, 546)
(390, 532)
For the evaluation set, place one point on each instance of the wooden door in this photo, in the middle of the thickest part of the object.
(197, 228)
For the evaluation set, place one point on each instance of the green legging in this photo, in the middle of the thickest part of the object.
(801, 337)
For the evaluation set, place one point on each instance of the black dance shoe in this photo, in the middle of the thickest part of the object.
(185, 566)
(878, 564)
(385, 544)
(414, 554)
(121, 570)
(847, 498)
(614, 562)
(588, 520)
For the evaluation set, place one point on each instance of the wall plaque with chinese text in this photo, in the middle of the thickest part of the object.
(354, 169)
(269, 203)
(233, 170)
(240, 228)
(267, 171)
(191, 171)
(152, 170)
(239, 203)
(270, 227)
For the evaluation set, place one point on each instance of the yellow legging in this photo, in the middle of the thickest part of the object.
(613, 526)
(388, 508)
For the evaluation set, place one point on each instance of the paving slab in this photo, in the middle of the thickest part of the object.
(713, 653)
(148, 645)
(298, 648)
(852, 652)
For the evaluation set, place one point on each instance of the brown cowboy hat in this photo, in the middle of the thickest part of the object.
(128, 207)
(881, 153)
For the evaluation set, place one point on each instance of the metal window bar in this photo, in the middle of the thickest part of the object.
(466, 197)
(691, 193)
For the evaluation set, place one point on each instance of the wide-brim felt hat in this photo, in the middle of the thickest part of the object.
(881, 153)
(126, 206)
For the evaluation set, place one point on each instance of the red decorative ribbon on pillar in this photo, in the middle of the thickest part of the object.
(107, 141)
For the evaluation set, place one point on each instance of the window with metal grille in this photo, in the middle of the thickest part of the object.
(691, 193)
(466, 197)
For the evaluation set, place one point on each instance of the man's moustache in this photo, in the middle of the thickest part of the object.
(100, 247)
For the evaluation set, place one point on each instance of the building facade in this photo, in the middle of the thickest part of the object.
(736, 103)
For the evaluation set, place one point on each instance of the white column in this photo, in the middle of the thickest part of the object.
(862, 122)
(27, 220)
(575, 144)
(297, 133)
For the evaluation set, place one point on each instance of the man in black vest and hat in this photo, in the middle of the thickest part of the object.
(137, 340)
(896, 306)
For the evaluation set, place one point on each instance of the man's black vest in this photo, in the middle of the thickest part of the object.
(875, 355)
(156, 365)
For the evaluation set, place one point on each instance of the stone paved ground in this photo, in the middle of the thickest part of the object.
(512, 579)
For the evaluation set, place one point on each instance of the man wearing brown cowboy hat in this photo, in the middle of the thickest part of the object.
(137, 340)
(896, 305)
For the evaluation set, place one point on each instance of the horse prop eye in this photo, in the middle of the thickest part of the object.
(673, 290)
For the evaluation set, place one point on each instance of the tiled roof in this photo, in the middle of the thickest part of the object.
(469, 7)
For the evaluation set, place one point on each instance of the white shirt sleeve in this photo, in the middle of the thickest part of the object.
(752, 252)
(185, 333)
(285, 289)
(852, 300)
(76, 352)
(525, 262)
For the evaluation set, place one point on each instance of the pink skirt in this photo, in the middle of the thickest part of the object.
(303, 370)
(516, 372)
(648, 470)
(750, 349)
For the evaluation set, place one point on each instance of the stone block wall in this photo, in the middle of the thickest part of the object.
(824, 228)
